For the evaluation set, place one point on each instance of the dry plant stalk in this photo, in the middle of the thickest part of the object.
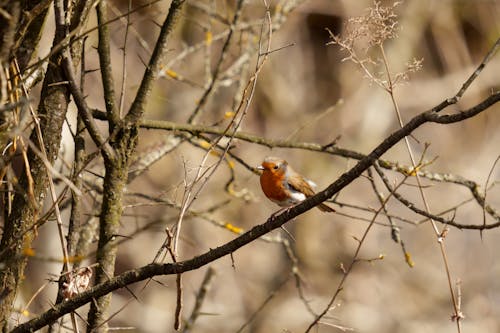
(372, 30)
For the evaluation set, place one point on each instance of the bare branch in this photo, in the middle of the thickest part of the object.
(105, 65)
(276, 221)
(137, 108)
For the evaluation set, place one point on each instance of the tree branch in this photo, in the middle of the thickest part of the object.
(105, 66)
(224, 52)
(83, 108)
(272, 223)
(151, 73)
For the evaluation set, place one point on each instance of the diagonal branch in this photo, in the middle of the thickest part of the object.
(410, 205)
(149, 78)
(197, 130)
(272, 223)
(222, 57)
(83, 108)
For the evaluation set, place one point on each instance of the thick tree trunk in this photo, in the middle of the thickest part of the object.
(109, 223)
(20, 228)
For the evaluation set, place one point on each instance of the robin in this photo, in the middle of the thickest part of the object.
(285, 187)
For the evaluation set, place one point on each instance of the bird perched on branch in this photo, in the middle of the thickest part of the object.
(285, 187)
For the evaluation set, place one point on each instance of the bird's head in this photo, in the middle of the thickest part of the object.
(273, 165)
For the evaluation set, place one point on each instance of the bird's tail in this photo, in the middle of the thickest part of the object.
(325, 208)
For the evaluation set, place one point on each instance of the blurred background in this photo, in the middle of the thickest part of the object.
(305, 92)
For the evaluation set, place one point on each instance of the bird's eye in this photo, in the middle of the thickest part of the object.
(276, 166)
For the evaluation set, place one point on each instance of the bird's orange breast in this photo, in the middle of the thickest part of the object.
(272, 186)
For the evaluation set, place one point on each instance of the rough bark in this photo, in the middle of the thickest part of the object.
(19, 229)
(29, 31)
(116, 167)
(8, 25)
(109, 223)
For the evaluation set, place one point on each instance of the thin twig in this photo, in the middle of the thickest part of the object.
(203, 99)
(277, 221)
(200, 298)
(178, 282)
(232, 127)
(390, 90)
(354, 260)
(486, 190)
(124, 61)
(395, 234)
(137, 108)
(266, 301)
(83, 108)
(491, 53)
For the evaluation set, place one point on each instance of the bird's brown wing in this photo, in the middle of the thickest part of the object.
(299, 184)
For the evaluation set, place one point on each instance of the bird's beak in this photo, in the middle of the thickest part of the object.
(260, 167)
